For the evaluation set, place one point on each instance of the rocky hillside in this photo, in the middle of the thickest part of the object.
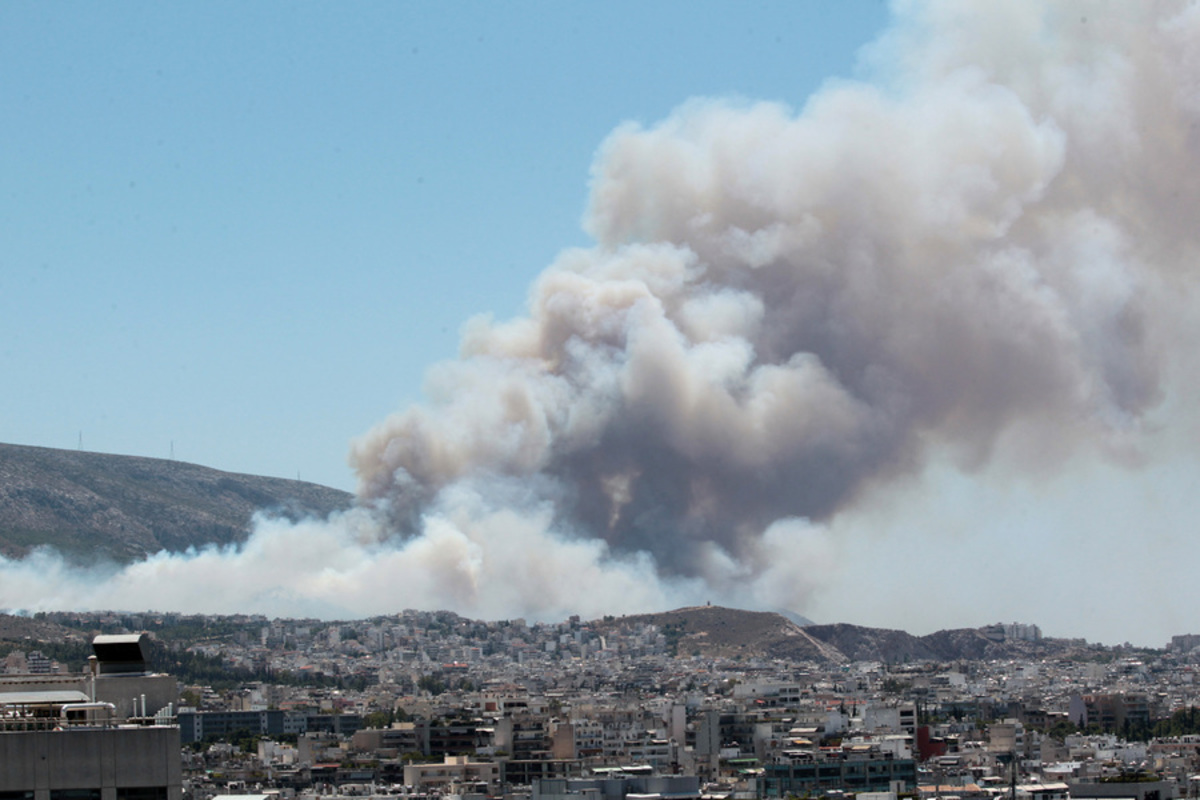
(859, 643)
(26, 630)
(93, 505)
(714, 631)
(729, 632)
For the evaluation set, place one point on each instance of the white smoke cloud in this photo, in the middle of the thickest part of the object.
(981, 253)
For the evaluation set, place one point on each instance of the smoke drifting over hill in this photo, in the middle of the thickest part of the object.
(985, 252)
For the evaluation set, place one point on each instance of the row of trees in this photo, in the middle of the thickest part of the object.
(1183, 722)
(188, 666)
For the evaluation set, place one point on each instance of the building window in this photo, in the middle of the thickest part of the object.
(16, 795)
(142, 793)
(74, 794)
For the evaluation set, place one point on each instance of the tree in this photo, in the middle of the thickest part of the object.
(378, 719)
(432, 684)
(1061, 729)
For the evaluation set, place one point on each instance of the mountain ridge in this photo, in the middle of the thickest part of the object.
(99, 506)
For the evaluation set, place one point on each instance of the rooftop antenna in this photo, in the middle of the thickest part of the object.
(80, 445)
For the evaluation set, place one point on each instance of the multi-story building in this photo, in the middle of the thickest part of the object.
(1115, 711)
(38, 664)
(617, 787)
(821, 772)
(455, 772)
(196, 726)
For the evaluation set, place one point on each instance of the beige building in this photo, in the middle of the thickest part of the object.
(455, 771)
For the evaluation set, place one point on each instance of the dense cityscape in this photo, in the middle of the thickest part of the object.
(431, 703)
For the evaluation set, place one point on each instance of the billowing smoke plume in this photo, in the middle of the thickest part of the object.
(983, 251)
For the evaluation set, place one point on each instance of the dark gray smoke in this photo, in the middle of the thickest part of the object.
(782, 310)
(986, 252)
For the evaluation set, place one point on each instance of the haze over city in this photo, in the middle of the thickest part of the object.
(872, 315)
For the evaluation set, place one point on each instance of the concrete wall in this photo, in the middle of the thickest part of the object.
(92, 758)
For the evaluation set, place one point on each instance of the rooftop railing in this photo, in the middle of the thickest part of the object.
(17, 718)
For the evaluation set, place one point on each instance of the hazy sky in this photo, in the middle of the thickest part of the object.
(906, 345)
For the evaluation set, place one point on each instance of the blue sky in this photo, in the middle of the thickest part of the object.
(247, 229)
